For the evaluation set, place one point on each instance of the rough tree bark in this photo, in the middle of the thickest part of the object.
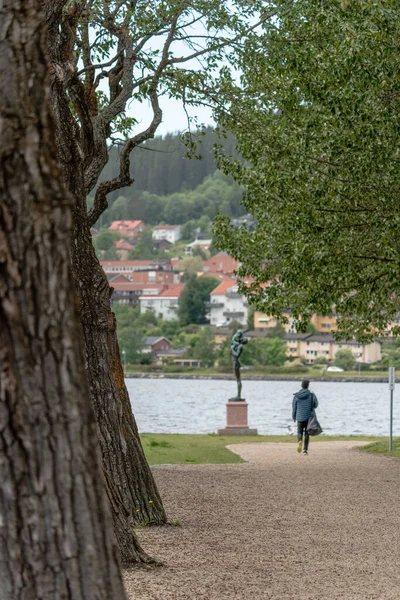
(92, 43)
(56, 539)
(130, 485)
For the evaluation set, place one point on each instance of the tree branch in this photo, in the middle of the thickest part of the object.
(229, 42)
(124, 179)
(99, 66)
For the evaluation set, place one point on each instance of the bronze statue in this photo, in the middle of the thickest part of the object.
(237, 344)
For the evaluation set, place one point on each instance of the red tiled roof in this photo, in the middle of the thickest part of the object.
(223, 287)
(220, 276)
(123, 245)
(118, 225)
(120, 279)
(221, 263)
(170, 292)
(173, 292)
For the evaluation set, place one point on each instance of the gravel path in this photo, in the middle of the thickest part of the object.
(283, 527)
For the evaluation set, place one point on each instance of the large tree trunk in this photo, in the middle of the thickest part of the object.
(129, 482)
(56, 540)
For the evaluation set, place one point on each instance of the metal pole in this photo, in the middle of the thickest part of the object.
(391, 422)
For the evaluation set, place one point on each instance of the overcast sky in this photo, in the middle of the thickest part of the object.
(174, 117)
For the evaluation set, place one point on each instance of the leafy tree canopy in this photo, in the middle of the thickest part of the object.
(204, 347)
(345, 360)
(105, 239)
(197, 206)
(144, 249)
(192, 301)
(320, 131)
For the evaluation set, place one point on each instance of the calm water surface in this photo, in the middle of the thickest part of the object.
(198, 406)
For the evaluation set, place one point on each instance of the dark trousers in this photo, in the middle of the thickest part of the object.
(302, 429)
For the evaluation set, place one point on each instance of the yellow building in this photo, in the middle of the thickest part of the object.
(265, 322)
(322, 324)
(311, 347)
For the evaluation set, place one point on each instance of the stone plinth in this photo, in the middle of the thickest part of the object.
(236, 419)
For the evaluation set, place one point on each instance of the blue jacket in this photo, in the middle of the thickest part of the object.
(304, 402)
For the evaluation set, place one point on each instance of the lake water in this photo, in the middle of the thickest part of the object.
(198, 406)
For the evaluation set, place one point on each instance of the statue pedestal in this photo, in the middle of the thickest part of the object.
(236, 419)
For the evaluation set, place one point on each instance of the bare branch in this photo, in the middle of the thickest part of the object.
(124, 179)
(99, 66)
(117, 106)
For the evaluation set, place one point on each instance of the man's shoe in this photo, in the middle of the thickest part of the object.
(299, 447)
(305, 452)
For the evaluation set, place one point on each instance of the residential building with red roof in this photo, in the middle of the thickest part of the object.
(165, 304)
(221, 263)
(226, 305)
(123, 248)
(130, 229)
(126, 292)
(142, 271)
(156, 344)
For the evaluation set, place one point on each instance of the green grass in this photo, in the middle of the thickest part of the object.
(381, 446)
(168, 448)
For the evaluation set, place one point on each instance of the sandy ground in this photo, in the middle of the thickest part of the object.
(282, 526)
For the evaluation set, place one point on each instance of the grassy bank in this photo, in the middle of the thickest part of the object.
(381, 446)
(165, 448)
(296, 372)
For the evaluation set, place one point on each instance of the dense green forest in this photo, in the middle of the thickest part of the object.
(170, 187)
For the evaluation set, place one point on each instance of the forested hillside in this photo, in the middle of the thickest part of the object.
(171, 188)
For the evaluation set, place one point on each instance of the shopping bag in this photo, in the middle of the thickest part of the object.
(313, 426)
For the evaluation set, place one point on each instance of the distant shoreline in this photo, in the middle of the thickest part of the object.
(257, 377)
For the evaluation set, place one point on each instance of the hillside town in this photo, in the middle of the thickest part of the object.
(155, 286)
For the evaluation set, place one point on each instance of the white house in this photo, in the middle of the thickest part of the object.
(202, 244)
(171, 233)
(227, 305)
(164, 305)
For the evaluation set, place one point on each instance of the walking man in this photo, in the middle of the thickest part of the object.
(304, 403)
